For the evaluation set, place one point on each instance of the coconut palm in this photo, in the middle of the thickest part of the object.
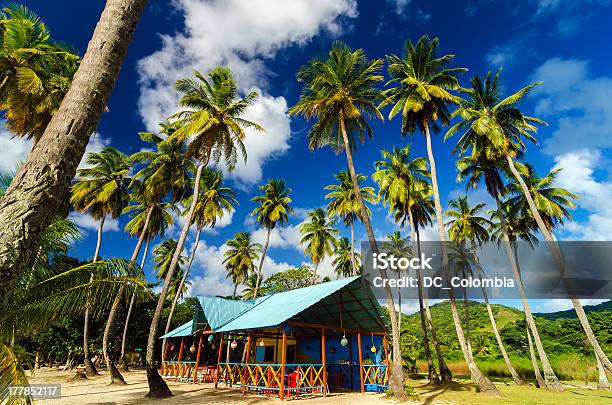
(345, 206)
(162, 257)
(239, 260)
(422, 95)
(346, 261)
(340, 94)
(36, 71)
(273, 209)
(214, 125)
(251, 284)
(25, 212)
(101, 190)
(319, 237)
(214, 201)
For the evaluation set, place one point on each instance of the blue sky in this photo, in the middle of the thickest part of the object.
(564, 43)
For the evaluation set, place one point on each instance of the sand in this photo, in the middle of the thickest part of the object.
(97, 391)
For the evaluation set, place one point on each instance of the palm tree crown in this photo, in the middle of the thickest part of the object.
(162, 256)
(342, 261)
(215, 199)
(273, 205)
(319, 235)
(240, 258)
(343, 200)
(466, 224)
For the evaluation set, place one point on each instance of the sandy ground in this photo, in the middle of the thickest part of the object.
(98, 391)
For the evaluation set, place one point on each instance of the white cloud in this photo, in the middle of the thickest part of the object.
(12, 150)
(95, 145)
(280, 237)
(581, 100)
(399, 6)
(87, 223)
(579, 176)
(242, 35)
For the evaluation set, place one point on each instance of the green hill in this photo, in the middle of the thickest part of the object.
(570, 313)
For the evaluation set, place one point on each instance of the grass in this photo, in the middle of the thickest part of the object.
(463, 391)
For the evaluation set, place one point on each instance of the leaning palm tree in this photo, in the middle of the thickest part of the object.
(25, 212)
(340, 94)
(239, 260)
(468, 226)
(346, 261)
(422, 96)
(214, 125)
(101, 190)
(273, 209)
(162, 257)
(319, 238)
(215, 201)
(345, 206)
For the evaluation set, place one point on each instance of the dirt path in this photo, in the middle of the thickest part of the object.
(97, 391)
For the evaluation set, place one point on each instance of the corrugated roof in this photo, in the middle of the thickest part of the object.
(275, 309)
(219, 311)
(183, 330)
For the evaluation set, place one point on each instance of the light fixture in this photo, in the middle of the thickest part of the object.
(192, 348)
(344, 341)
(261, 343)
(211, 338)
(234, 344)
(373, 348)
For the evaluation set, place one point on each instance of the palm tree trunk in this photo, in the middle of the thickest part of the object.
(122, 358)
(466, 309)
(314, 274)
(90, 368)
(540, 383)
(560, 261)
(552, 382)
(115, 375)
(602, 382)
(39, 191)
(261, 262)
(431, 370)
(157, 386)
(235, 288)
(445, 373)
(353, 260)
(397, 372)
(180, 287)
(483, 383)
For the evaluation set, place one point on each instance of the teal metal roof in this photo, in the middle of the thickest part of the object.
(183, 330)
(274, 309)
(219, 311)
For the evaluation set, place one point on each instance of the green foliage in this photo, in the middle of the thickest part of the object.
(288, 280)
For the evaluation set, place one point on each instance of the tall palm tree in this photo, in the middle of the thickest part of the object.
(239, 260)
(36, 71)
(251, 284)
(159, 220)
(101, 190)
(346, 261)
(162, 257)
(319, 238)
(25, 211)
(422, 95)
(214, 125)
(402, 181)
(468, 226)
(345, 205)
(476, 167)
(340, 94)
(273, 210)
(215, 201)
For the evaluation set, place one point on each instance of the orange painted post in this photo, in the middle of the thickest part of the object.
(386, 349)
(360, 362)
(178, 363)
(195, 371)
(219, 361)
(324, 361)
(283, 361)
(245, 370)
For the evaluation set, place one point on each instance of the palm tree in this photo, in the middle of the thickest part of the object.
(251, 284)
(159, 221)
(215, 201)
(25, 211)
(239, 260)
(273, 210)
(346, 262)
(162, 257)
(36, 71)
(467, 226)
(345, 205)
(319, 237)
(101, 190)
(340, 94)
(213, 123)
(422, 95)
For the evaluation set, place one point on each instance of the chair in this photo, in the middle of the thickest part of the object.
(293, 384)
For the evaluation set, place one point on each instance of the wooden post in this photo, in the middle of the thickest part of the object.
(219, 361)
(360, 362)
(387, 371)
(324, 361)
(195, 371)
(283, 361)
(180, 351)
(245, 369)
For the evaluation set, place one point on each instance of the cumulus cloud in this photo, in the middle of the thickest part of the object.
(87, 223)
(243, 35)
(582, 102)
(13, 150)
(280, 237)
(579, 176)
